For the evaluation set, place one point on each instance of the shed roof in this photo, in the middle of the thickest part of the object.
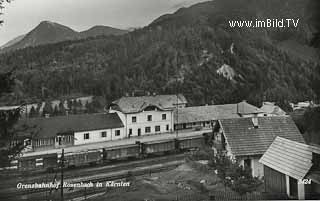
(50, 127)
(288, 157)
(214, 112)
(271, 108)
(205, 113)
(139, 103)
(244, 139)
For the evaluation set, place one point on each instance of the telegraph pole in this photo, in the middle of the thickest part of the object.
(62, 166)
(177, 91)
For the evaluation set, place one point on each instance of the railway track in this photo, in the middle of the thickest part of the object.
(95, 174)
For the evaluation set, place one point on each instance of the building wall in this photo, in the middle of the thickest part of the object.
(256, 167)
(192, 125)
(142, 122)
(274, 181)
(95, 136)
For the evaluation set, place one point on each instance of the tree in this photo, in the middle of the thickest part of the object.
(62, 109)
(47, 109)
(2, 2)
(33, 112)
(8, 119)
(56, 111)
(237, 177)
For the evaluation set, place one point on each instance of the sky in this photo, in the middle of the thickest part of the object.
(21, 16)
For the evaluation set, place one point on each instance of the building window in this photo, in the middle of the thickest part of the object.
(157, 128)
(130, 131)
(164, 116)
(167, 127)
(117, 133)
(104, 134)
(149, 117)
(134, 119)
(86, 136)
(147, 129)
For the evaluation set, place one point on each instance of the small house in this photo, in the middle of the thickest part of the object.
(292, 168)
(246, 139)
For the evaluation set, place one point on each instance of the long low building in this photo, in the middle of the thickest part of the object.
(64, 131)
(202, 116)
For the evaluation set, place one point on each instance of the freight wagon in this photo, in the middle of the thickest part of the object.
(121, 152)
(157, 147)
(82, 158)
(191, 143)
(50, 161)
(47, 161)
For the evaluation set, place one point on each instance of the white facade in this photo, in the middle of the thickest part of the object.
(86, 137)
(138, 124)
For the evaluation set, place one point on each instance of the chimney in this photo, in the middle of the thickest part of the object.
(255, 121)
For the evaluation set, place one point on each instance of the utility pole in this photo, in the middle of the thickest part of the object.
(177, 91)
(62, 166)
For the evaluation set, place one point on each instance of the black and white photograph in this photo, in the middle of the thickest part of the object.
(159, 100)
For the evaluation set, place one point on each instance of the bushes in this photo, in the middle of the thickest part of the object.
(233, 175)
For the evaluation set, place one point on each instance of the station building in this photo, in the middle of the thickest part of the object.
(147, 115)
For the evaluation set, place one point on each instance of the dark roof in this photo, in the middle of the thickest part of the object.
(214, 112)
(50, 127)
(205, 113)
(244, 139)
(139, 103)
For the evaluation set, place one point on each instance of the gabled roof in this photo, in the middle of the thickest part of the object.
(244, 108)
(205, 113)
(244, 139)
(288, 157)
(214, 112)
(139, 103)
(271, 108)
(50, 127)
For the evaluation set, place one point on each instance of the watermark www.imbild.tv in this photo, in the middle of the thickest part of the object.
(266, 23)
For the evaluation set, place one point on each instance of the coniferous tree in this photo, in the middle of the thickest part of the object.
(8, 120)
(33, 112)
(62, 109)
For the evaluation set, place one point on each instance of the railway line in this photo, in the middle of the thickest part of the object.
(101, 174)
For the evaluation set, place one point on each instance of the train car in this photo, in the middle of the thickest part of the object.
(155, 147)
(121, 152)
(188, 143)
(82, 158)
(45, 161)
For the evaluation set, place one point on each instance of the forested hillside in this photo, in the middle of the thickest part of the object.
(182, 53)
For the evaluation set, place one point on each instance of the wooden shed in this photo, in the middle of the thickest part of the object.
(287, 165)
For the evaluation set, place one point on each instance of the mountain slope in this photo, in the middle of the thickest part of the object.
(50, 32)
(101, 30)
(183, 52)
(13, 41)
(46, 32)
